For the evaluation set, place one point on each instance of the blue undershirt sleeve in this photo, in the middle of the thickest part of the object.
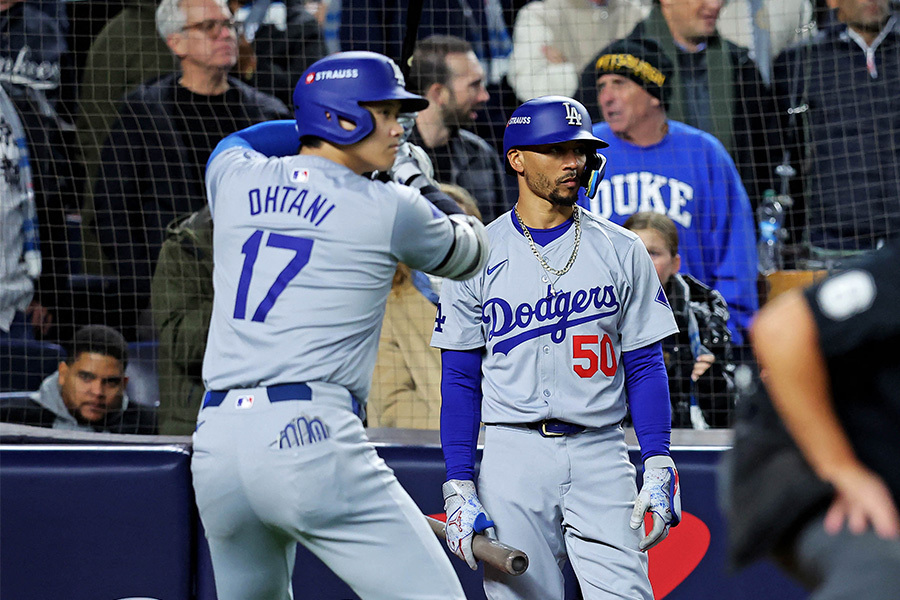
(272, 138)
(647, 387)
(460, 410)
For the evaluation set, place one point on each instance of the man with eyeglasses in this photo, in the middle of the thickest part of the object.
(152, 163)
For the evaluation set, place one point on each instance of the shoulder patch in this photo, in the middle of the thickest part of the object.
(661, 298)
(846, 294)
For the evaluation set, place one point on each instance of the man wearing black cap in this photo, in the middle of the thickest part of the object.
(668, 167)
(715, 86)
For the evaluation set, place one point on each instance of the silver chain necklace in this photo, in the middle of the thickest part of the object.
(558, 272)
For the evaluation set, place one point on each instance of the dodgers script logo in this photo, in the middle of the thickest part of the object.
(502, 319)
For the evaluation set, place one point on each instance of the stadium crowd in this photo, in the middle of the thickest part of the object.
(784, 113)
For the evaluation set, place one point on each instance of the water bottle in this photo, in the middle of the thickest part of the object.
(770, 215)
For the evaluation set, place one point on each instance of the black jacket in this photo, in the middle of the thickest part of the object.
(147, 179)
(845, 142)
(691, 300)
(471, 163)
(769, 488)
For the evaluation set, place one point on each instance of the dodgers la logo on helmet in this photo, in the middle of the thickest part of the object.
(572, 115)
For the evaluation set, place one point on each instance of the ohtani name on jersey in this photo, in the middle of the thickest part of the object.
(287, 199)
(503, 319)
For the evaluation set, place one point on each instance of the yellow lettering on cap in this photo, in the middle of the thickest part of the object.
(640, 68)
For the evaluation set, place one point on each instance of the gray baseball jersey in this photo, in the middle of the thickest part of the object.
(554, 351)
(556, 356)
(305, 251)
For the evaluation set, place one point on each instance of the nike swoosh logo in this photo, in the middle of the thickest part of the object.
(497, 266)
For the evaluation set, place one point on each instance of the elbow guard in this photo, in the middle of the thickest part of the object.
(469, 251)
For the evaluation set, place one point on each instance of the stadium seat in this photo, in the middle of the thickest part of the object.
(25, 363)
(143, 385)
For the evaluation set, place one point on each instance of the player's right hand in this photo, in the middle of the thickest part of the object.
(661, 495)
(33, 263)
(412, 163)
(465, 518)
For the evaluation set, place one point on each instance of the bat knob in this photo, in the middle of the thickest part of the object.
(518, 564)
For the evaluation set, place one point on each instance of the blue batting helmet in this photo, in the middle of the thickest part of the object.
(335, 85)
(552, 120)
(548, 120)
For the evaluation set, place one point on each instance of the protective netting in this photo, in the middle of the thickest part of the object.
(788, 163)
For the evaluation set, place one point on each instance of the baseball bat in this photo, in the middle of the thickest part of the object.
(500, 556)
(413, 17)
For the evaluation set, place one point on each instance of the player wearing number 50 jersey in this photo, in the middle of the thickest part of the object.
(305, 249)
(545, 346)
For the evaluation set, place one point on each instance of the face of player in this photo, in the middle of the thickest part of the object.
(865, 15)
(666, 264)
(92, 386)
(208, 39)
(624, 103)
(692, 20)
(466, 91)
(377, 150)
(552, 171)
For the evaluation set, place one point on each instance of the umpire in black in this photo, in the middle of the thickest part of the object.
(815, 472)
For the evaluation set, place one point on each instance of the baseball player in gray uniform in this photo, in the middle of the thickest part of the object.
(545, 346)
(305, 249)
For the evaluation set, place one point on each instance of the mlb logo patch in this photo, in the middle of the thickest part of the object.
(300, 175)
(244, 402)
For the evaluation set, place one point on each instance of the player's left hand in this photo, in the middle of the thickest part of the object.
(661, 495)
(407, 121)
(412, 163)
(465, 518)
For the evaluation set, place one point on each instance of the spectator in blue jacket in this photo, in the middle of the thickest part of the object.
(668, 167)
(715, 86)
(845, 85)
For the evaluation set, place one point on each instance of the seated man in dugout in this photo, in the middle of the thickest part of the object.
(87, 392)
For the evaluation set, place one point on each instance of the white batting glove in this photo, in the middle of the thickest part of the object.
(411, 162)
(465, 518)
(407, 121)
(33, 263)
(661, 495)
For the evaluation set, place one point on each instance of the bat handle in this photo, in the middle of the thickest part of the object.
(498, 555)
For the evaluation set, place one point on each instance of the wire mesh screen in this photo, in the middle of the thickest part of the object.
(748, 139)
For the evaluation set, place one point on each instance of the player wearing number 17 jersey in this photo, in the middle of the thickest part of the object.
(305, 249)
(545, 346)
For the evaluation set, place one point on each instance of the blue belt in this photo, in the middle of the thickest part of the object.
(280, 392)
(549, 428)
